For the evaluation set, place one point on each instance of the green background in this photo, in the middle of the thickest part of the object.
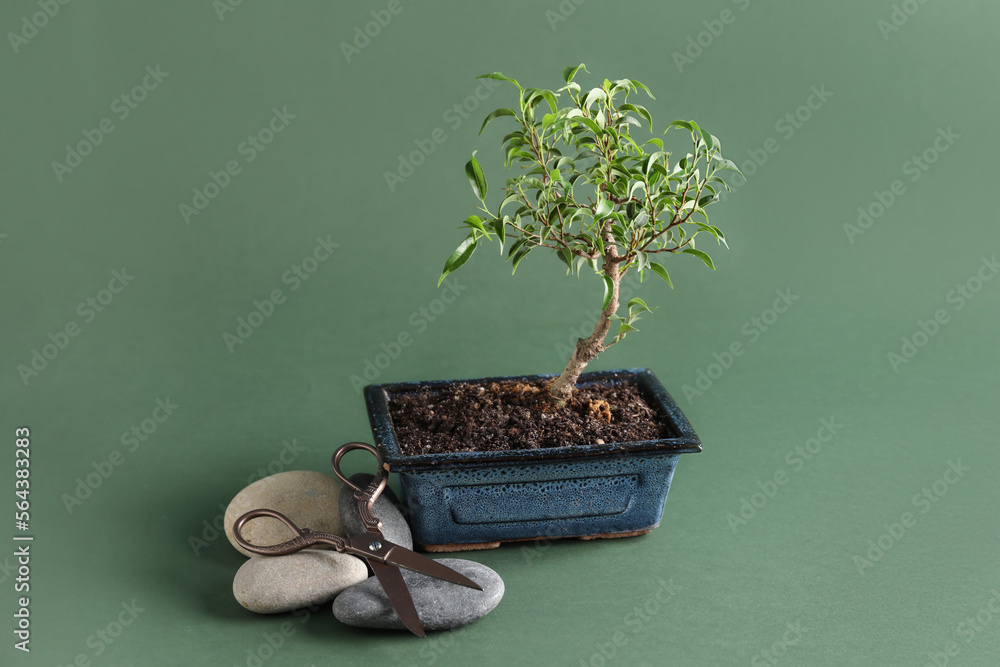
(737, 585)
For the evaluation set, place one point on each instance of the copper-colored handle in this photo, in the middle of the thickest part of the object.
(303, 539)
(365, 497)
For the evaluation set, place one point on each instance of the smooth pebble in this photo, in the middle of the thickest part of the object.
(273, 584)
(394, 526)
(440, 604)
(310, 499)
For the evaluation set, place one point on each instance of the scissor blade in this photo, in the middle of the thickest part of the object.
(403, 557)
(399, 595)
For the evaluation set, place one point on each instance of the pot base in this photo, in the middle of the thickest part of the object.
(483, 546)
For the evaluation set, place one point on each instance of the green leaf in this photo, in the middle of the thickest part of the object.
(534, 96)
(504, 111)
(660, 271)
(629, 120)
(603, 208)
(459, 257)
(516, 134)
(476, 222)
(477, 179)
(515, 246)
(728, 164)
(499, 77)
(609, 290)
(695, 129)
(551, 99)
(589, 122)
(518, 152)
(624, 329)
(724, 184)
(639, 84)
(714, 231)
(599, 243)
(567, 257)
(570, 72)
(709, 139)
(639, 303)
(506, 200)
(518, 256)
(700, 255)
(641, 260)
(680, 123)
(632, 142)
(594, 95)
(642, 112)
(650, 160)
(707, 199)
(499, 226)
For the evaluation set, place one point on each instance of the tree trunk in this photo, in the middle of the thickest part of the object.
(561, 389)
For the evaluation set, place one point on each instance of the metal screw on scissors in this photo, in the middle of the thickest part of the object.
(384, 557)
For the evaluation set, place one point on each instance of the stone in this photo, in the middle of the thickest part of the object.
(273, 584)
(440, 604)
(308, 498)
(394, 526)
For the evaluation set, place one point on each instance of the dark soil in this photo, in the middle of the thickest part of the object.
(501, 416)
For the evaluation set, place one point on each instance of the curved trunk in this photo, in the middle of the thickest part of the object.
(561, 389)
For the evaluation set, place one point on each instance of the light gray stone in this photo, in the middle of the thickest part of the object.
(440, 604)
(394, 526)
(310, 499)
(273, 584)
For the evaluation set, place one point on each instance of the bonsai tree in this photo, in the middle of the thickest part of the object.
(595, 197)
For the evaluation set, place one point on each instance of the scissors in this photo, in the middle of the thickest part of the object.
(384, 557)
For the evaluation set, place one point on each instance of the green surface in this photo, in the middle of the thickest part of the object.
(736, 586)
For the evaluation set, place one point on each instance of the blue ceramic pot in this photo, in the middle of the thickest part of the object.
(472, 500)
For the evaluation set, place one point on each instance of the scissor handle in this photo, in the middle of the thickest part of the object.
(303, 539)
(365, 497)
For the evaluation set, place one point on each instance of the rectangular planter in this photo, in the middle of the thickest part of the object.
(473, 500)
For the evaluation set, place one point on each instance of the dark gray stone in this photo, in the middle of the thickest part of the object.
(394, 525)
(440, 604)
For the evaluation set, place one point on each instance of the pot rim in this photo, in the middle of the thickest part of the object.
(377, 396)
